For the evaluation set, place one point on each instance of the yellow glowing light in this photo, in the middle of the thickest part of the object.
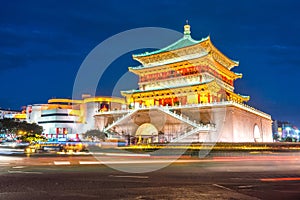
(20, 116)
(107, 99)
(64, 101)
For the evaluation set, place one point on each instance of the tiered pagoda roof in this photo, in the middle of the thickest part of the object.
(185, 46)
(183, 53)
(181, 43)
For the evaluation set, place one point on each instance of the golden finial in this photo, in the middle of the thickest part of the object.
(187, 28)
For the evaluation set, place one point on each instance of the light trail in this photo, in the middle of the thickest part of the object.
(280, 179)
(257, 158)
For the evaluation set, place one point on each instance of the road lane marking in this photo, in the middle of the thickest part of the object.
(127, 176)
(121, 154)
(223, 187)
(245, 186)
(280, 179)
(9, 158)
(62, 163)
(14, 172)
(18, 167)
(73, 153)
(90, 163)
(33, 172)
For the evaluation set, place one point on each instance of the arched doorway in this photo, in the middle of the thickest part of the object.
(256, 133)
(146, 133)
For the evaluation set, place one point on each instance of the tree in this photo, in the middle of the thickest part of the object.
(31, 137)
(288, 139)
(22, 130)
(17, 127)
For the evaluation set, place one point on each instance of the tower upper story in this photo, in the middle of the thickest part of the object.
(184, 62)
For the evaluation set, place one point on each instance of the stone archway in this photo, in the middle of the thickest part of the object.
(257, 134)
(147, 133)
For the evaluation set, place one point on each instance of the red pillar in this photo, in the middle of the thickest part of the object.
(64, 131)
(57, 132)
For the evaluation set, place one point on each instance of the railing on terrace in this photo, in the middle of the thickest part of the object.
(109, 126)
(114, 111)
(185, 119)
(207, 127)
(222, 103)
(180, 117)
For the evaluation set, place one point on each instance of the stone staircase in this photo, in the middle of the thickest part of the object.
(207, 127)
(196, 127)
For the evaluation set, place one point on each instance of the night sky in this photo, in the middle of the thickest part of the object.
(43, 43)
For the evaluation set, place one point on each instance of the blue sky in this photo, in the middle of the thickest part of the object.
(43, 43)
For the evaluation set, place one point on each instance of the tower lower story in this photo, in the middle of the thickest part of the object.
(211, 122)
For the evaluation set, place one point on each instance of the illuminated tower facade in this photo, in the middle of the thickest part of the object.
(186, 93)
(186, 72)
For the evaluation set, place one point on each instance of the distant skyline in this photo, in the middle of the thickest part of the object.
(43, 43)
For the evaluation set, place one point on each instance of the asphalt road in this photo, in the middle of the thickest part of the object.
(81, 177)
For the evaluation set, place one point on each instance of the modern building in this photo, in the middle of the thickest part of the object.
(12, 114)
(186, 94)
(68, 118)
(285, 131)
